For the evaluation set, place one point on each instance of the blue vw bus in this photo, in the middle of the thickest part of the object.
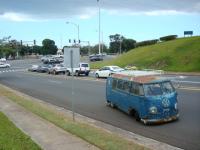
(149, 98)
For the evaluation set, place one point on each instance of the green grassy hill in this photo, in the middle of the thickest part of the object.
(178, 55)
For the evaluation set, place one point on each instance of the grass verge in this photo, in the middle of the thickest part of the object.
(95, 136)
(13, 138)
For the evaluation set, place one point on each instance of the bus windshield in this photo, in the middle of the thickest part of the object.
(156, 89)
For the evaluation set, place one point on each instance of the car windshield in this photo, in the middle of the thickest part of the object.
(116, 68)
(84, 65)
(60, 65)
(156, 89)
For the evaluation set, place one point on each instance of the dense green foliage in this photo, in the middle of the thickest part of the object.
(12, 138)
(177, 55)
(120, 44)
(49, 47)
(168, 38)
(146, 43)
(9, 49)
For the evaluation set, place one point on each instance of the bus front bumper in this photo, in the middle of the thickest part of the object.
(172, 118)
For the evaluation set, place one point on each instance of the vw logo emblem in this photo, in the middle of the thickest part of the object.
(165, 102)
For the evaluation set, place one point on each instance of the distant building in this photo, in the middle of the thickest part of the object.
(59, 52)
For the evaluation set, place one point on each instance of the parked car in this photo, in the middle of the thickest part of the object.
(44, 58)
(4, 65)
(96, 57)
(106, 71)
(83, 68)
(33, 68)
(3, 59)
(57, 68)
(44, 68)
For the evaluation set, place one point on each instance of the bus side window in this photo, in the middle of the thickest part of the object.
(137, 89)
(114, 84)
(126, 86)
(132, 88)
(120, 84)
(141, 90)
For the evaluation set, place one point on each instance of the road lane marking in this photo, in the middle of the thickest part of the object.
(194, 82)
(53, 81)
(190, 88)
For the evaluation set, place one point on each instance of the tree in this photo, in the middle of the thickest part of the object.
(37, 49)
(115, 43)
(128, 44)
(95, 49)
(48, 47)
(119, 43)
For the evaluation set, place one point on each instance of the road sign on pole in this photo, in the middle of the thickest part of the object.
(72, 66)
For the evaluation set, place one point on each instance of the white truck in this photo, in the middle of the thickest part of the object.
(83, 68)
(72, 62)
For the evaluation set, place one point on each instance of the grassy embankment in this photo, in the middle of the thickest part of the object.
(95, 136)
(13, 138)
(181, 55)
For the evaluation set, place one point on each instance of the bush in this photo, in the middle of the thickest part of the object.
(168, 38)
(145, 43)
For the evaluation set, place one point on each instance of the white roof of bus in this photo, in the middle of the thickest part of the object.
(139, 76)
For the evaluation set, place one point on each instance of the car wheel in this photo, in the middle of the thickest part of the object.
(97, 75)
(76, 73)
(68, 73)
(87, 74)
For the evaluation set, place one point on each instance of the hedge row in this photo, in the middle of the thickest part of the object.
(145, 43)
(168, 38)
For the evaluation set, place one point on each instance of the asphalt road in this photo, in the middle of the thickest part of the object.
(89, 100)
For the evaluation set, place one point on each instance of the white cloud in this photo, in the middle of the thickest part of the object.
(164, 12)
(16, 17)
(23, 10)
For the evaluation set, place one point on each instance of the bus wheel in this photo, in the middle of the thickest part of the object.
(137, 117)
(112, 105)
(107, 103)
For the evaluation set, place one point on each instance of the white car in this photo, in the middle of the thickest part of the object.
(57, 68)
(106, 71)
(4, 65)
(3, 60)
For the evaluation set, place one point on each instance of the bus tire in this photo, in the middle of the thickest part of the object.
(137, 117)
(112, 105)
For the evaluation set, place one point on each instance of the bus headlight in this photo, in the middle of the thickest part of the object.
(153, 110)
(175, 106)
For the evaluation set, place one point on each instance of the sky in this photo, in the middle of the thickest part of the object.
(140, 20)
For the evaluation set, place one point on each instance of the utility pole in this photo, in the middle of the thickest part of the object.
(99, 27)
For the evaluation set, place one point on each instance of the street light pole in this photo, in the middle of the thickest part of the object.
(76, 25)
(99, 27)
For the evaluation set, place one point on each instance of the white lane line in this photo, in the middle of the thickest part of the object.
(190, 88)
(187, 82)
(53, 81)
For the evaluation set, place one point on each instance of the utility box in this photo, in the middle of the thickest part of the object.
(68, 53)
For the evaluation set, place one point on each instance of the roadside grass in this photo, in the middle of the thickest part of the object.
(98, 137)
(13, 138)
(182, 55)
